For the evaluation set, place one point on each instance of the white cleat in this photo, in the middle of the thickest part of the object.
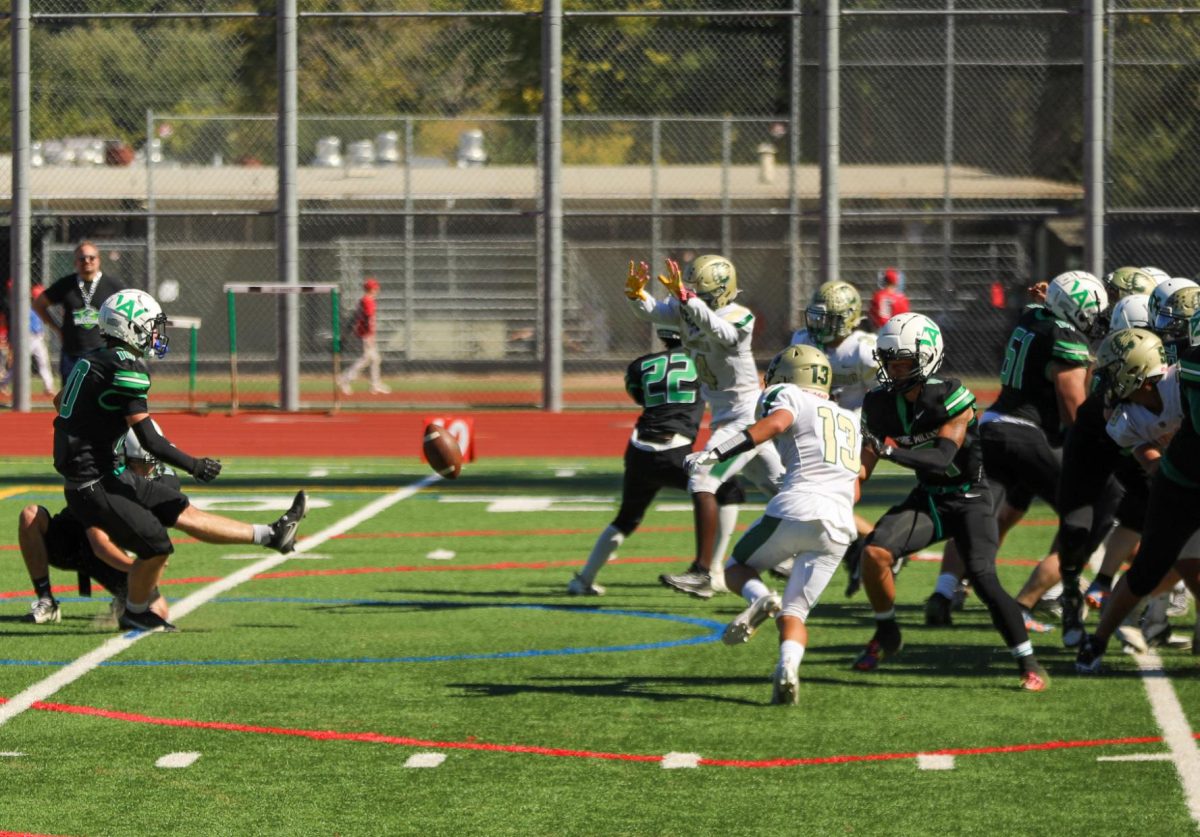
(578, 587)
(748, 621)
(785, 686)
(44, 611)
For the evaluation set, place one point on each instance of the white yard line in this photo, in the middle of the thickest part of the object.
(73, 671)
(1177, 732)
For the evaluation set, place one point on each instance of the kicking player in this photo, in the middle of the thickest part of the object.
(106, 396)
(667, 387)
(60, 541)
(717, 333)
(928, 424)
(810, 521)
(831, 324)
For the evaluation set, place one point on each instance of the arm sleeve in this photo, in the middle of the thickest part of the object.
(934, 459)
(726, 331)
(655, 310)
(633, 382)
(160, 447)
(1069, 347)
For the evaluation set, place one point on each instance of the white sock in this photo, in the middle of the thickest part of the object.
(139, 607)
(754, 589)
(791, 654)
(1022, 650)
(262, 534)
(947, 584)
(604, 549)
(885, 615)
(1054, 592)
(726, 522)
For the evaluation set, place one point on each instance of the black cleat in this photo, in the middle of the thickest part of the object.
(937, 611)
(148, 621)
(1090, 657)
(852, 559)
(1072, 617)
(283, 530)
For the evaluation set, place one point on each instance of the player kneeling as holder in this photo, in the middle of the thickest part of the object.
(810, 520)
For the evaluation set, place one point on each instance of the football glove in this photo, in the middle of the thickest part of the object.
(639, 275)
(674, 282)
(700, 459)
(206, 470)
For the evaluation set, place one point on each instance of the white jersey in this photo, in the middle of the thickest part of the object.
(719, 343)
(1132, 424)
(853, 364)
(820, 453)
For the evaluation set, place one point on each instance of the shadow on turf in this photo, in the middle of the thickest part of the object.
(657, 689)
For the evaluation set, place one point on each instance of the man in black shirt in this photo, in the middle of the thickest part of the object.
(667, 387)
(80, 295)
(102, 399)
(928, 424)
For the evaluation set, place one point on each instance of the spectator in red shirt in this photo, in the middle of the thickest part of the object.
(363, 327)
(889, 300)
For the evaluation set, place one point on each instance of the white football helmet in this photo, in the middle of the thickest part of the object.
(134, 318)
(1172, 305)
(134, 452)
(714, 279)
(1079, 298)
(1194, 329)
(1131, 311)
(1157, 274)
(804, 366)
(912, 337)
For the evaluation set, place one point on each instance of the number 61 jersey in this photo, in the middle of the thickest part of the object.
(820, 452)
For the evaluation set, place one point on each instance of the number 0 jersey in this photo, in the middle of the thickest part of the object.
(888, 414)
(1026, 392)
(105, 387)
(820, 453)
(853, 363)
(668, 388)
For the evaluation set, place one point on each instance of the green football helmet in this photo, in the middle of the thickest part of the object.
(714, 279)
(1127, 359)
(834, 312)
(805, 366)
(1128, 280)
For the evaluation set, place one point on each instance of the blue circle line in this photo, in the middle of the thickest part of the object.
(713, 629)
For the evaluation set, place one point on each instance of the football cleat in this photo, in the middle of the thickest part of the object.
(959, 601)
(1095, 595)
(877, 651)
(148, 621)
(746, 623)
(44, 611)
(785, 686)
(695, 582)
(578, 587)
(1132, 639)
(1033, 626)
(283, 530)
(1090, 657)
(1178, 605)
(1036, 679)
(937, 611)
(1072, 618)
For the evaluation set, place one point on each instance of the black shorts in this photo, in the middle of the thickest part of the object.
(68, 548)
(646, 472)
(135, 512)
(1019, 459)
(1131, 511)
(1171, 520)
(925, 518)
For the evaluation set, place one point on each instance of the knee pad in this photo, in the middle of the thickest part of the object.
(731, 494)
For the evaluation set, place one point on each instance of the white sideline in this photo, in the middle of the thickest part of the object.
(73, 671)
(1177, 733)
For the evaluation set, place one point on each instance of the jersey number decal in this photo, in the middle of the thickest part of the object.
(1012, 373)
(848, 453)
(662, 378)
(71, 388)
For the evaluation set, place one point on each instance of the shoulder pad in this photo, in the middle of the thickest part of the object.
(739, 315)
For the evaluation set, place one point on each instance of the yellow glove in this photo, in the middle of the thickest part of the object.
(639, 275)
(674, 282)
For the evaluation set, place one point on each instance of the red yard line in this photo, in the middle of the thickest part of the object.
(528, 749)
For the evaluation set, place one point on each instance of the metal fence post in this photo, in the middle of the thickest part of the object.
(20, 258)
(552, 24)
(287, 223)
(947, 150)
(726, 200)
(1093, 137)
(151, 215)
(831, 11)
(794, 296)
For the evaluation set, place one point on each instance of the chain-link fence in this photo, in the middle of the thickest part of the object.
(692, 127)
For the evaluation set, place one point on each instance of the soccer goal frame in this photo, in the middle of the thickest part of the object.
(233, 289)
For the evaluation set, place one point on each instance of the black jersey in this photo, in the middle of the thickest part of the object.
(1026, 392)
(888, 414)
(104, 388)
(667, 386)
(80, 322)
(1181, 460)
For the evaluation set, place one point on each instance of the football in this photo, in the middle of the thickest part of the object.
(442, 451)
